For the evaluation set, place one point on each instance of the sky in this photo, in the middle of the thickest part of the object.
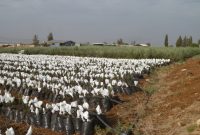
(142, 21)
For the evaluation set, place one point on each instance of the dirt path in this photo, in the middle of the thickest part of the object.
(175, 106)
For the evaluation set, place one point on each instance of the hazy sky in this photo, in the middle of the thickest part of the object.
(100, 20)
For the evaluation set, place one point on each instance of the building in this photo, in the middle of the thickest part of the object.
(5, 44)
(58, 43)
(98, 44)
(68, 43)
(143, 45)
(103, 44)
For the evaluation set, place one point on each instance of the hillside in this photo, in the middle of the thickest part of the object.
(172, 109)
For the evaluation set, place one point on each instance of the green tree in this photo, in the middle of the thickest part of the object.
(179, 42)
(166, 43)
(190, 41)
(199, 41)
(35, 40)
(50, 36)
(184, 42)
(120, 41)
(133, 42)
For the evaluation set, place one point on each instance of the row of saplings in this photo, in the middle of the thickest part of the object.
(69, 124)
(54, 121)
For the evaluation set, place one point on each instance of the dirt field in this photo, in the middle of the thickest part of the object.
(172, 110)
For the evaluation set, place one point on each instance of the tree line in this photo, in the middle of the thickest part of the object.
(187, 41)
(36, 41)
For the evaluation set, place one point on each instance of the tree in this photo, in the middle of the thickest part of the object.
(133, 42)
(35, 40)
(190, 41)
(179, 42)
(199, 41)
(166, 41)
(149, 44)
(120, 41)
(185, 42)
(50, 36)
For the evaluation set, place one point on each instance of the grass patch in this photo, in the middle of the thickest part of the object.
(197, 56)
(120, 128)
(117, 130)
(191, 128)
(150, 90)
(100, 131)
(175, 54)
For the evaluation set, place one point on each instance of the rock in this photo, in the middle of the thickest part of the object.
(183, 69)
(198, 123)
(181, 124)
(147, 80)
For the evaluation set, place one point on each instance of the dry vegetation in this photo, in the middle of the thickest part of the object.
(173, 106)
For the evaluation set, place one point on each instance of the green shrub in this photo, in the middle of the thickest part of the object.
(175, 54)
(191, 128)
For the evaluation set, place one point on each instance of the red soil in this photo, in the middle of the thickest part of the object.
(173, 109)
